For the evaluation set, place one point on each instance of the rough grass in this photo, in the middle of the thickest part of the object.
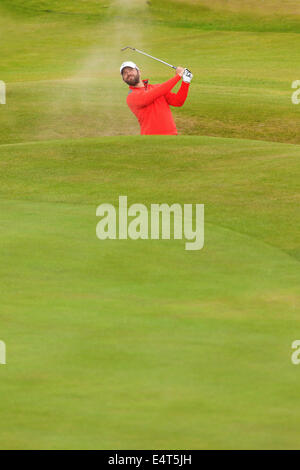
(266, 7)
(57, 6)
(241, 87)
(228, 16)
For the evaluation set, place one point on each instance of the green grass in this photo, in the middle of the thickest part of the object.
(64, 72)
(216, 15)
(141, 344)
(81, 7)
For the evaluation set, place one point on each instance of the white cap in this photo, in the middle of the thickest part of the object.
(128, 64)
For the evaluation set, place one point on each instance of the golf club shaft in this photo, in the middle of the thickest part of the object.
(155, 58)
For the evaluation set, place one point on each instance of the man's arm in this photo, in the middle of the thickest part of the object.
(139, 100)
(178, 99)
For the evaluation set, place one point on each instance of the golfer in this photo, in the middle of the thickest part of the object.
(151, 103)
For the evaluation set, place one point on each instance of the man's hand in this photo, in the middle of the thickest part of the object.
(179, 71)
(187, 76)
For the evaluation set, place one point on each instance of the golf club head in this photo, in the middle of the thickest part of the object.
(128, 47)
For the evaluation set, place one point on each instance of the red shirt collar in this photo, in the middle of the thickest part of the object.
(145, 82)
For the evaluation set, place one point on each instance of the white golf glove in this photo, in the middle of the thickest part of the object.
(187, 76)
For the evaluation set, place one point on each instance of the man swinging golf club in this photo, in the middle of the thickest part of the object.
(150, 103)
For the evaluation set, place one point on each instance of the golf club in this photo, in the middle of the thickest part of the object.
(145, 53)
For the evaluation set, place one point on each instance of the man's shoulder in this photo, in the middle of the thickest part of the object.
(130, 93)
(131, 97)
(133, 92)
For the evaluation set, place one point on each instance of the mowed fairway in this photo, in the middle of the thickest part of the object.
(142, 344)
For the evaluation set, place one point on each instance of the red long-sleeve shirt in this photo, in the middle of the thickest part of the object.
(151, 103)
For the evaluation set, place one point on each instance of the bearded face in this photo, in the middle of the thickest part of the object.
(131, 76)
